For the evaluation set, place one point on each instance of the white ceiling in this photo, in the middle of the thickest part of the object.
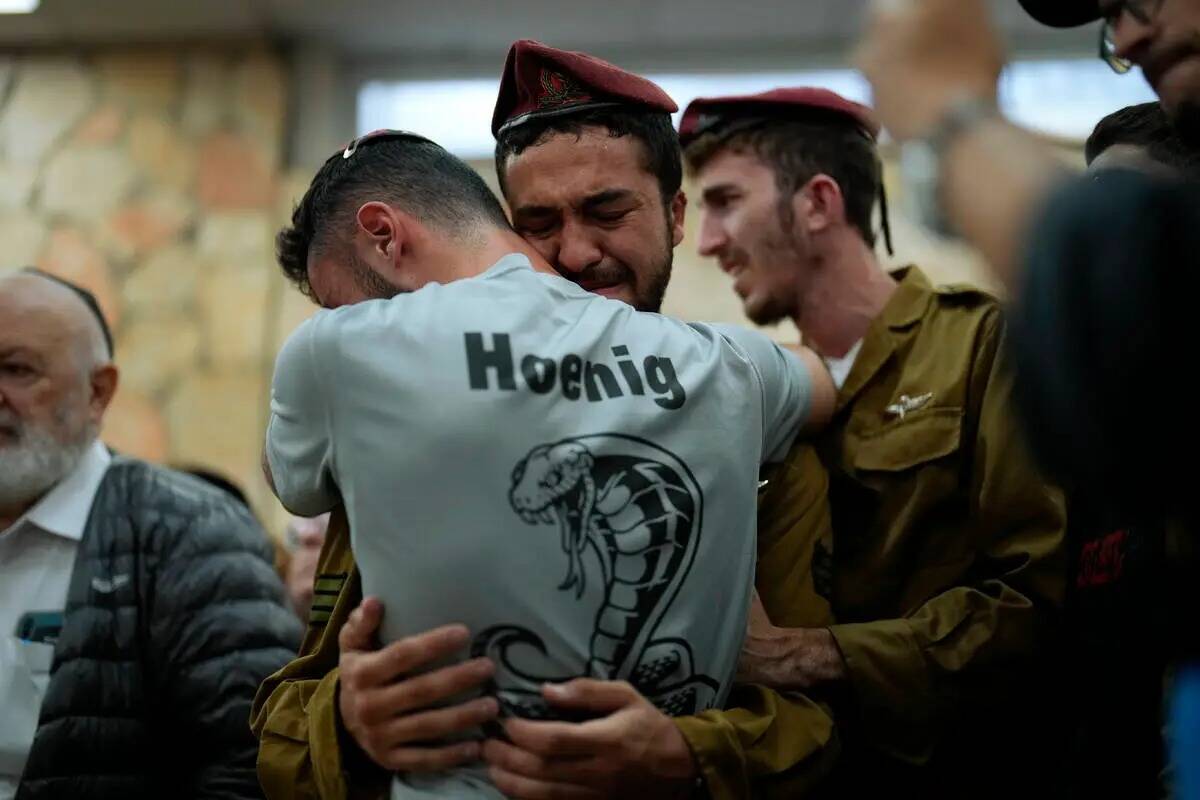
(464, 35)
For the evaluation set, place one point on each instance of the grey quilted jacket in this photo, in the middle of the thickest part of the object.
(174, 616)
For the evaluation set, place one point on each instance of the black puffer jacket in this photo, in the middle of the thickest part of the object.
(174, 616)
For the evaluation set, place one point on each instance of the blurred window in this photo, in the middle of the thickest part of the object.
(1059, 97)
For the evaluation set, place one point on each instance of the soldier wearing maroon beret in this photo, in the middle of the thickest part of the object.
(540, 82)
(945, 572)
(590, 166)
(708, 114)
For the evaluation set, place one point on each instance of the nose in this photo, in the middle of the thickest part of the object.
(578, 248)
(712, 235)
(1131, 38)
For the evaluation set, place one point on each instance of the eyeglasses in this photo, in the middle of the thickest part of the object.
(1144, 11)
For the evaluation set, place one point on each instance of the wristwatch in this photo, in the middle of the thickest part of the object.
(921, 158)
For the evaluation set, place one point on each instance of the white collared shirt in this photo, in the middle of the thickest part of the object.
(37, 556)
(37, 551)
(839, 368)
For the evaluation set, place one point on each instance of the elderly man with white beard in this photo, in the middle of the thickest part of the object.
(139, 609)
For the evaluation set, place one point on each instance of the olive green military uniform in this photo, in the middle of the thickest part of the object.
(780, 744)
(948, 563)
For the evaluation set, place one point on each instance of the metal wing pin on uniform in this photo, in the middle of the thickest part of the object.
(906, 404)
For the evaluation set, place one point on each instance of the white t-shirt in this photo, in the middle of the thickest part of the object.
(839, 368)
(572, 479)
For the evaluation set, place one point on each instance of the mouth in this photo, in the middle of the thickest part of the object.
(572, 505)
(533, 515)
(603, 288)
(735, 266)
(738, 274)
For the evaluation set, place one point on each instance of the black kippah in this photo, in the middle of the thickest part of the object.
(88, 299)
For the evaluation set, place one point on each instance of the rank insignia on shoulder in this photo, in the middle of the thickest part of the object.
(326, 589)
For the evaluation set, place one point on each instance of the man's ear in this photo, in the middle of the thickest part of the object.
(819, 204)
(678, 215)
(381, 234)
(103, 386)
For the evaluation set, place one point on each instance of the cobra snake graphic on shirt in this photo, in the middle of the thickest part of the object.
(638, 508)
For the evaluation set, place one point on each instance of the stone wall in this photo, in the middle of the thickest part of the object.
(153, 177)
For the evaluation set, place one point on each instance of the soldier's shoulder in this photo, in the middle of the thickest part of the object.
(965, 295)
(967, 304)
(917, 286)
(961, 312)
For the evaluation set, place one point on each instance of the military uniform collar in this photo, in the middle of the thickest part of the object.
(910, 301)
(905, 309)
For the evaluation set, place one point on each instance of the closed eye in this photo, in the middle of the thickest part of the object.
(17, 370)
(611, 216)
(535, 224)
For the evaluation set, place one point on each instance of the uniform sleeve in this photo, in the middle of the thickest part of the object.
(303, 752)
(786, 388)
(765, 743)
(299, 444)
(1100, 334)
(966, 648)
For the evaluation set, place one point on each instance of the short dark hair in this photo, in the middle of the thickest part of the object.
(798, 149)
(1144, 125)
(405, 171)
(660, 142)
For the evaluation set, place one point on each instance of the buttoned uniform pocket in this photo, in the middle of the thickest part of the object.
(905, 443)
(905, 487)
